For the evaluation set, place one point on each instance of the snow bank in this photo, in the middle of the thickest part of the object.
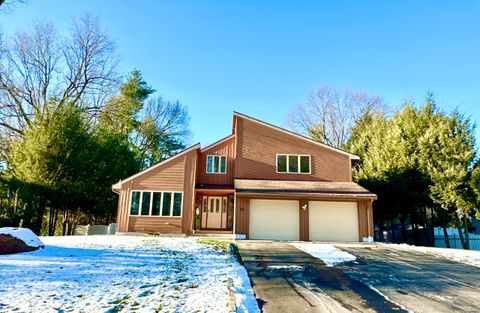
(327, 253)
(23, 234)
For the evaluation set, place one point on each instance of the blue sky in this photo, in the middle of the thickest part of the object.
(263, 57)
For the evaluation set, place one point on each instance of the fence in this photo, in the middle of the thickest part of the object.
(455, 239)
(85, 230)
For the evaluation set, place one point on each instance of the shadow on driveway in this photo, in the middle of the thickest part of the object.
(286, 279)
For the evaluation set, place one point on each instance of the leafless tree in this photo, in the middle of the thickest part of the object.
(329, 114)
(40, 72)
(7, 5)
(163, 130)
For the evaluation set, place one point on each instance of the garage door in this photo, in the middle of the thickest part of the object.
(274, 219)
(333, 221)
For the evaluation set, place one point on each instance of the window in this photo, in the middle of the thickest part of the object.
(135, 205)
(216, 164)
(167, 203)
(293, 163)
(156, 203)
(177, 204)
(145, 203)
(149, 203)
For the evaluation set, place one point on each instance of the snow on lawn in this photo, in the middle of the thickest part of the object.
(325, 252)
(23, 234)
(128, 273)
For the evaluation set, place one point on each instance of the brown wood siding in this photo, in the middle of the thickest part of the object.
(304, 232)
(242, 208)
(365, 219)
(167, 177)
(257, 146)
(189, 192)
(224, 148)
(169, 225)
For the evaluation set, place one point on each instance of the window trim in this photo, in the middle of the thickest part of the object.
(299, 163)
(219, 164)
(151, 203)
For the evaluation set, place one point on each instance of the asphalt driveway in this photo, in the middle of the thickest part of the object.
(286, 279)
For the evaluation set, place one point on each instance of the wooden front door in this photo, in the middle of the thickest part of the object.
(214, 213)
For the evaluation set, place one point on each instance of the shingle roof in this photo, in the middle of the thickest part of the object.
(334, 189)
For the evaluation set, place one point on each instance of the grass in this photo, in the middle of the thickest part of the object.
(118, 301)
(224, 246)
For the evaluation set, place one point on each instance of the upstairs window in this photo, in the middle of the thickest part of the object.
(293, 163)
(216, 164)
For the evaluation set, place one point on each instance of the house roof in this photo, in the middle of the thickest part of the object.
(119, 184)
(324, 188)
(351, 156)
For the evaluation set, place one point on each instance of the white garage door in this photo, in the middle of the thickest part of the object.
(274, 219)
(333, 221)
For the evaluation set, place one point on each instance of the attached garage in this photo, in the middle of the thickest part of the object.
(274, 219)
(333, 221)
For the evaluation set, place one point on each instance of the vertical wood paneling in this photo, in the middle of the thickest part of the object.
(189, 192)
(169, 176)
(363, 219)
(257, 146)
(223, 148)
(241, 215)
(304, 231)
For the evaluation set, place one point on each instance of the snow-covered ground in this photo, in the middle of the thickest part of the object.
(24, 234)
(127, 273)
(327, 253)
(471, 257)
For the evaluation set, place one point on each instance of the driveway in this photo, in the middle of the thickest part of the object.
(382, 279)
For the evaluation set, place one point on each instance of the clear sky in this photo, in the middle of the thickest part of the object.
(263, 57)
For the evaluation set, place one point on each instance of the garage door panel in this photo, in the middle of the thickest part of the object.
(333, 221)
(274, 219)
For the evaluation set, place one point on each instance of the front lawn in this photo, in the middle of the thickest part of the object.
(124, 273)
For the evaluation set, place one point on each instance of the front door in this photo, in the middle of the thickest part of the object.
(214, 212)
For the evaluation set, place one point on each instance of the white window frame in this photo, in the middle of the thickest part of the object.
(151, 204)
(219, 156)
(299, 164)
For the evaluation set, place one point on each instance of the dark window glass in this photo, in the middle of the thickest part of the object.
(293, 163)
(157, 197)
(305, 164)
(177, 204)
(135, 204)
(282, 163)
(205, 204)
(209, 164)
(146, 203)
(216, 166)
(167, 203)
(223, 165)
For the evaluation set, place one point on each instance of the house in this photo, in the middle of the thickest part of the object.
(259, 182)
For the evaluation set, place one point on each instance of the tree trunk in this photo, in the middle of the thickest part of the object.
(403, 228)
(392, 227)
(414, 222)
(459, 225)
(467, 235)
(444, 227)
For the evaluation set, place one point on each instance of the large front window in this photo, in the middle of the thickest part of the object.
(293, 163)
(216, 164)
(156, 203)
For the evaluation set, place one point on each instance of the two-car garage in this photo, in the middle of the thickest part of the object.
(280, 220)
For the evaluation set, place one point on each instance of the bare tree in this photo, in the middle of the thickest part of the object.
(40, 72)
(162, 132)
(329, 114)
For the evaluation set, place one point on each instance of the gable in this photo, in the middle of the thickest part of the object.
(258, 144)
